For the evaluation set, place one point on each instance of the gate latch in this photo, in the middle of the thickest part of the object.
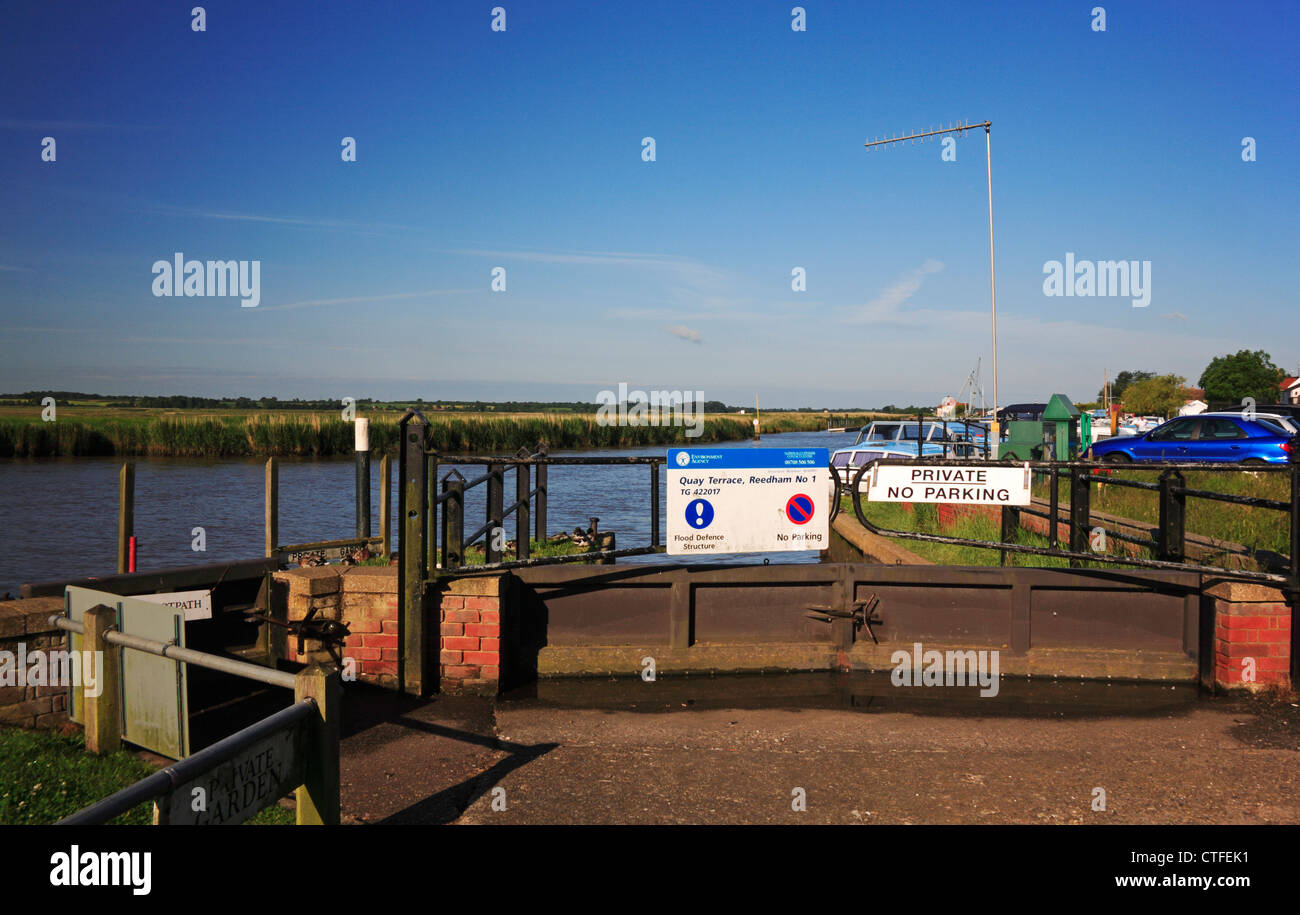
(862, 612)
(330, 633)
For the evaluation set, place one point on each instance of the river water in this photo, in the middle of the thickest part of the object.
(58, 517)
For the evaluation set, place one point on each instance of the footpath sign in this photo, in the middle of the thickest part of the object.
(955, 485)
(747, 500)
(196, 604)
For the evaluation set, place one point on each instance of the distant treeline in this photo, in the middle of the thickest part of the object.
(314, 436)
(182, 402)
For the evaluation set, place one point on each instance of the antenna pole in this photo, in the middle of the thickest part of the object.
(993, 289)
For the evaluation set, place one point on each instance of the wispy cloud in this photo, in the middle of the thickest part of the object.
(363, 299)
(689, 279)
(892, 297)
(300, 222)
(1174, 316)
(684, 333)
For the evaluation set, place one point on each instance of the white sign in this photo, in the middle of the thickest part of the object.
(959, 485)
(747, 500)
(196, 604)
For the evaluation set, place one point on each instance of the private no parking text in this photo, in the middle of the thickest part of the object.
(959, 485)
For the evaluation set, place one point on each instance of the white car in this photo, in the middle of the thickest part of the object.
(1286, 422)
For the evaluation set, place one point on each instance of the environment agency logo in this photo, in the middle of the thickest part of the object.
(683, 459)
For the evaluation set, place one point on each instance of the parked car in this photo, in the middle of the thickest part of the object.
(1288, 423)
(1205, 437)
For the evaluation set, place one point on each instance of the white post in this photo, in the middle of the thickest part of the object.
(993, 288)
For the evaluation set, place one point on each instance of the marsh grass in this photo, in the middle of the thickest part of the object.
(138, 433)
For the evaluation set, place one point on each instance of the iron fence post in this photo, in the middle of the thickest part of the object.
(522, 489)
(654, 504)
(1079, 512)
(1173, 517)
(431, 513)
(495, 507)
(411, 570)
(1054, 482)
(1010, 519)
(539, 517)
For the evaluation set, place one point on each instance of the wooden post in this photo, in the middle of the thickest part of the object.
(125, 516)
(103, 713)
(318, 797)
(386, 507)
(272, 506)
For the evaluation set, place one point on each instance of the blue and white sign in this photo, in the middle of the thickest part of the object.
(747, 500)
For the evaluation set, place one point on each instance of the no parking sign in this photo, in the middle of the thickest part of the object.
(747, 500)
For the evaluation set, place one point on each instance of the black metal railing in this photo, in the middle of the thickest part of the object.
(530, 502)
(1169, 543)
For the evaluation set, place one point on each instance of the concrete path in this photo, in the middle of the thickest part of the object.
(1210, 762)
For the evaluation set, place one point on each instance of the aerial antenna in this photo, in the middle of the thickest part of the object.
(958, 129)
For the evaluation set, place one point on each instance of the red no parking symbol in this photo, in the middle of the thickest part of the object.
(799, 509)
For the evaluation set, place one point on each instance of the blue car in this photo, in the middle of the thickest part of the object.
(1221, 439)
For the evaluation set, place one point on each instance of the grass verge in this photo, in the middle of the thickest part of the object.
(46, 776)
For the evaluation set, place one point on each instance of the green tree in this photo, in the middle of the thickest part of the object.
(1247, 374)
(1160, 395)
(1121, 383)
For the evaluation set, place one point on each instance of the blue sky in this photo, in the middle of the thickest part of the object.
(523, 149)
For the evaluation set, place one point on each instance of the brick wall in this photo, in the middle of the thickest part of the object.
(1251, 622)
(468, 619)
(27, 622)
(470, 634)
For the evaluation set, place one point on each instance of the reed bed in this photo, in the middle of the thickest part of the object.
(325, 435)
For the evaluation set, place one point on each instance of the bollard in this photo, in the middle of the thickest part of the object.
(318, 796)
(103, 713)
(361, 441)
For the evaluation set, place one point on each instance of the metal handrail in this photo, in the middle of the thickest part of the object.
(189, 768)
(186, 655)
